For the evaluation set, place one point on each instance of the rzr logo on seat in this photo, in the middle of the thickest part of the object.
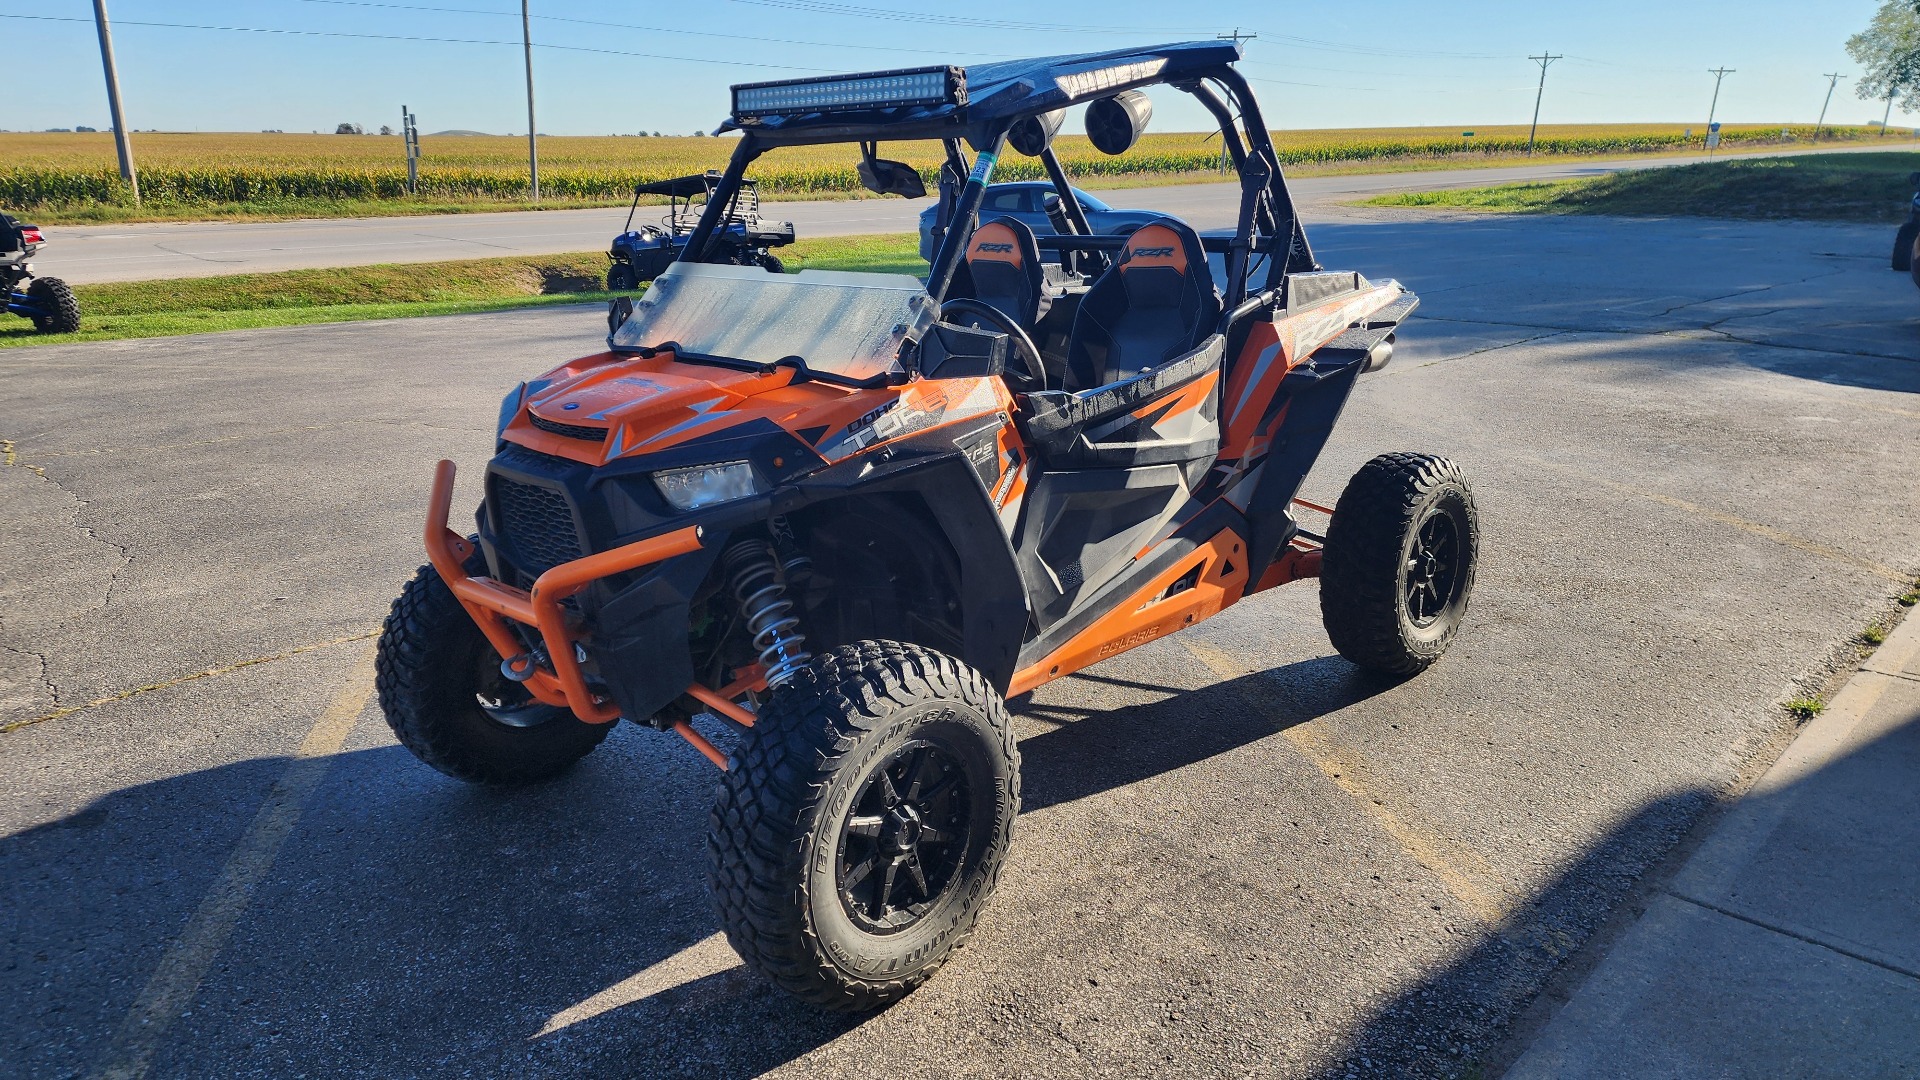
(1149, 253)
(998, 249)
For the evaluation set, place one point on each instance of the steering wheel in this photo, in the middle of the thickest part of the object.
(1034, 376)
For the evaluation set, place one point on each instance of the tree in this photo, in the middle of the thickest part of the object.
(385, 130)
(349, 129)
(1889, 50)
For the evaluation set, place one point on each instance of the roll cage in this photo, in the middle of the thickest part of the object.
(994, 97)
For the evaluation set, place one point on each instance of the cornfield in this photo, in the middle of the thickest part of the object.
(62, 170)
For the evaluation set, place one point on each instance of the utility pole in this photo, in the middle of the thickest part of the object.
(533, 148)
(1544, 60)
(1718, 74)
(121, 142)
(1833, 80)
(1888, 115)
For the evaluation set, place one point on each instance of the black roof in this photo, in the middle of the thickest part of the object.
(680, 187)
(999, 93)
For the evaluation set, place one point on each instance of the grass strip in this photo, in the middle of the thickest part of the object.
(1868, 188)
(144, 309)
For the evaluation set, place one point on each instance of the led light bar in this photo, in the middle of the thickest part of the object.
(851, 93)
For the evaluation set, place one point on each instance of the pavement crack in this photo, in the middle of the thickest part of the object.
(10, 459)
(1784, 932)
(45, 676)
(1754, 291)
(167, 684)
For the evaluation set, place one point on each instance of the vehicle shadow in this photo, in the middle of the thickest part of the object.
(412, 925)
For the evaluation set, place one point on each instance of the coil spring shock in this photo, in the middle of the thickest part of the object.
(762, 595)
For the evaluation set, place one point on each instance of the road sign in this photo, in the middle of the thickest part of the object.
(1714, 128)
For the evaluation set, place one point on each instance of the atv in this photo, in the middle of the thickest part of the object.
(642, 254)
(48, 302)
(823, 526)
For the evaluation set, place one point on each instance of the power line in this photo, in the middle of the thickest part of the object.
(1545, 60)
(602, 24)
(422, 38)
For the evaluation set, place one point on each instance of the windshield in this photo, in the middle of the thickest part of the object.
(1089, 201)
(845, 324)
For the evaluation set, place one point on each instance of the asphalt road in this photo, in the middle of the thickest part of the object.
(96, 253)
(1693, 447)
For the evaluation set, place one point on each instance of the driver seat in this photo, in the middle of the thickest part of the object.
(1003, 267)
(1156, 302)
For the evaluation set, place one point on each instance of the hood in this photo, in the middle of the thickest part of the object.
(633, 406)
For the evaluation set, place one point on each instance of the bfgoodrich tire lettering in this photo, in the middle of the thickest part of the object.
(782, 844)
(1399, 562)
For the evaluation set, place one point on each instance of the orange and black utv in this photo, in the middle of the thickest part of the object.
(836, 519)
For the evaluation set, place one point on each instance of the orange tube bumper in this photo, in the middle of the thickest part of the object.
(492, 603)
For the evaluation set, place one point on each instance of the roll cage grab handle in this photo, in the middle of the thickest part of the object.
(1266, 206)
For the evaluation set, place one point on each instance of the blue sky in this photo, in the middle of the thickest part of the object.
(1395, 62)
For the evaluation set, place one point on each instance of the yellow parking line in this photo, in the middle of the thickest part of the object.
(1469, 878)
(177, 979)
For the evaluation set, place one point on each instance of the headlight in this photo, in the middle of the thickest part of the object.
(705, 485)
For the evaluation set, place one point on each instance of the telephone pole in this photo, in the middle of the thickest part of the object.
(533, 148)
(121, 142)
(1718, 74)
(1888, 115)
(1833, 80)
(1236, 37)
(1544, 60)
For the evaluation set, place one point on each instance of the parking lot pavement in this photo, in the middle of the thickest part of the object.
(1692, 445)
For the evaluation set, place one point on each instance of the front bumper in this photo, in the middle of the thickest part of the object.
(556, 678)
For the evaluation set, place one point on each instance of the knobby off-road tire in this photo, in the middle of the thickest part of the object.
(1913, 259)
(433, 668)
(61, 312)
(621, 278)
(823, 795)
(772, 264)
(1903, 246)
(1399, 562)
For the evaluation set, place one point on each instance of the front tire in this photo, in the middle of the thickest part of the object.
(863, 823)
(59, 310)
(1399, 563)
(444, 697)
(620, 278)
(1903, 245)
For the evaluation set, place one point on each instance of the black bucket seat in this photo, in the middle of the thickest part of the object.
(1156, 302)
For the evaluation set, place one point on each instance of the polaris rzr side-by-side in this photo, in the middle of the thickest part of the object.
(47, 302)
(848, 515)
(741, 238)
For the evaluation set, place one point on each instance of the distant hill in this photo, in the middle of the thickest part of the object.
(458, 131)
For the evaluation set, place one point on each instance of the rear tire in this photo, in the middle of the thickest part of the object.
(773, 264)
(863, 823)
(60, 311)
(1903, 246)
(1399, 563)
(433, 669)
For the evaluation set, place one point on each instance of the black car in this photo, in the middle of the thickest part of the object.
(1027, 201)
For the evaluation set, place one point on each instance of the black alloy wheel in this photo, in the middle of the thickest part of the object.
(1433, 568)
(905, 838)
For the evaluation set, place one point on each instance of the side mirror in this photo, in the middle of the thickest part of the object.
(618, 312)
(1115, 123)
(1031, 135)
(883, 177)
